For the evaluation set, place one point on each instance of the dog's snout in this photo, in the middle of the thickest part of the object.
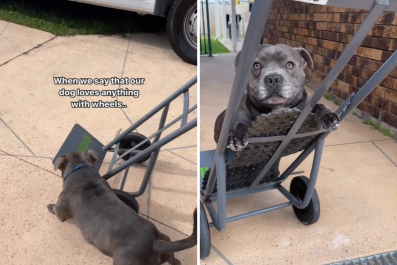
(273, 80)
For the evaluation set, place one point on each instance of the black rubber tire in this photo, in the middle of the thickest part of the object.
(175, 29)
(131, 140)
(311, 213)
(205, 235)
(127, 199)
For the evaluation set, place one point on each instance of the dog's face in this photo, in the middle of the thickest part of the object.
(277, 76)
(76, 159)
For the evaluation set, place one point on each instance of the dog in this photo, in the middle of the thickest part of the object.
(276, 81)
(106, 222)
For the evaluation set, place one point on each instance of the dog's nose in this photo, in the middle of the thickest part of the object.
(273, 80)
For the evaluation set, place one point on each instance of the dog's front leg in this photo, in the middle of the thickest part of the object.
(61, 210)
(325, 118)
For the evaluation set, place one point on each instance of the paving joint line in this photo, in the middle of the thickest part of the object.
(223, 257)
(182, 157)
(362, 142)
(9, 128)
(122, 74)
(4, 29)
(385, 154)
(28, 51)
(30, 163)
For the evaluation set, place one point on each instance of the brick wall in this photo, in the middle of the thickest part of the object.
(325, 31)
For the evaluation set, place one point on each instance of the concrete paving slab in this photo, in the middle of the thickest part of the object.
(45, 112)
(164, 73)
(174, 181)
(389, 148)
(10, 143)
(213, 259)
(17, 39)
(352, 200)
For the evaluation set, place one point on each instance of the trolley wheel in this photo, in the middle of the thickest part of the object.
(132, 140)
(311, 213)
(205, 236)
(127, 199)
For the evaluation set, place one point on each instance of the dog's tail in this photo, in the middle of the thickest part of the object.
(164, 246)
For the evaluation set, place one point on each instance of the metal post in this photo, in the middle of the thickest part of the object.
(313, 174)
(256, 24)
(208, 29)
(233, 20)
(221, 187)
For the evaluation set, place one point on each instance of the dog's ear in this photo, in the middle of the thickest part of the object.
(306, 56)
(60, 163)
(92, 155)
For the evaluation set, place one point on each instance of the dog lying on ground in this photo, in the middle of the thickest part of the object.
(106, 222)
(276, 80)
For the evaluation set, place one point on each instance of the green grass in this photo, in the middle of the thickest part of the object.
(329, 98)
(377, 127)
(216, 46)
(71, 18)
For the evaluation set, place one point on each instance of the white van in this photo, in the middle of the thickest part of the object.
(181, 20)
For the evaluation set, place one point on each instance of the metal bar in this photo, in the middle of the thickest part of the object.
(114, 153)
(282, 137)
(190, 125)
(234, 25)
(208, 29)
(298, 160)
(244, 192)
(362, 32)
(162, 121)
(185, 107)
(155, 134)
(288, 195)
(214, 215)
(256, 26)
(379, 75)
(313, 175)
(148, 173)
(221, 187)
(253, 213)
(181, 90)
(124, 178)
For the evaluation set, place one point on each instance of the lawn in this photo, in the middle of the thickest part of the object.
(61, 17)
(216, 46)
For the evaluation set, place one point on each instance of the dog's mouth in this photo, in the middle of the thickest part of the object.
(275, 100)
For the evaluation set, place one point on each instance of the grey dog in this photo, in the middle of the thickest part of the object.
(106, 222)
(276, 80)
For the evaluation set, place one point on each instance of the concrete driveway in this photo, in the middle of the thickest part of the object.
(356, 187)
(35, 120)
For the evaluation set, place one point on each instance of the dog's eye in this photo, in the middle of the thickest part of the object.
(257, 66)
(290, 65)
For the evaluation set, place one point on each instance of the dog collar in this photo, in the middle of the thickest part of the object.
(74, 169)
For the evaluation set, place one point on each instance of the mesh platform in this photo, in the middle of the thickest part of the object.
(246, 164)
(389, 258)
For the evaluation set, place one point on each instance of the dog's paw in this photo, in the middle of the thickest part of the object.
(329, 122)
(51, 208)
(237, 141)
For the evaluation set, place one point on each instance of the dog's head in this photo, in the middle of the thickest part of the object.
(277, 76)
(71, 160)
